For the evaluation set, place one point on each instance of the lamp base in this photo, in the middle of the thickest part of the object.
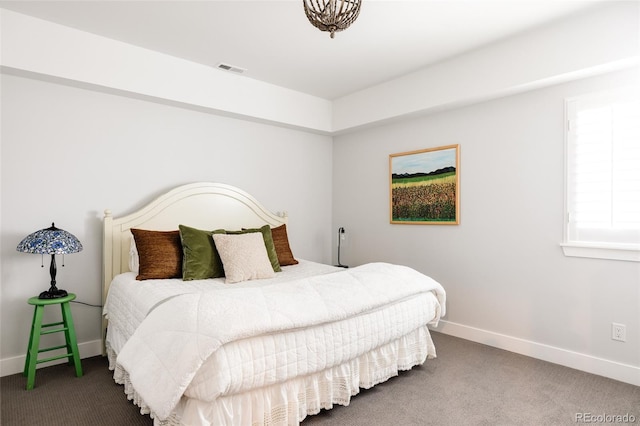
(52, 294)
(340, 265)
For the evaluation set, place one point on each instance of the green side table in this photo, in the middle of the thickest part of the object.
(38, 329)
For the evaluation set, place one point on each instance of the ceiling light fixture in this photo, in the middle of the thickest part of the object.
(332, 15)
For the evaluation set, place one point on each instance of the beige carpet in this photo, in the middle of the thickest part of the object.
(474, 384)
(468, 384)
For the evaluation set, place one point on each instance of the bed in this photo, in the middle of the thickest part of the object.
(273, 340)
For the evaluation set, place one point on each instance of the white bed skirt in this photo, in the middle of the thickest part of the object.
(288, 403)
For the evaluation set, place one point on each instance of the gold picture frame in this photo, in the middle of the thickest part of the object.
(424, 186)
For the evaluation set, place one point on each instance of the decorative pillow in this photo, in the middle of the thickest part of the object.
(134, 262)
(268, 243)
(281, 242)
(160, 254)
(244, 256)
(200, 259)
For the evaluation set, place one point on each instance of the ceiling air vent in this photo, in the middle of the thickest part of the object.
(231, 68)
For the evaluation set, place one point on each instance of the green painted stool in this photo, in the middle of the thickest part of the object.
(38, 329)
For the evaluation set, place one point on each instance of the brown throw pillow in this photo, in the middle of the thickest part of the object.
(281, 241)
(160, 254)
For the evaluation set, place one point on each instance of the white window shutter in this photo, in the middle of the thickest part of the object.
(603, 169)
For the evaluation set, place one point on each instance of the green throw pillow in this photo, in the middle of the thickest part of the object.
(200, 259)
(268, 243)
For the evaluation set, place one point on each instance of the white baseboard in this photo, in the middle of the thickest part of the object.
(15, 365)
(590, 364)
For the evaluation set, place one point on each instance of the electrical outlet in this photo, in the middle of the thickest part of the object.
(618, 332)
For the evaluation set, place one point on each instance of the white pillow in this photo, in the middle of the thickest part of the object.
(244, 256)
(134, 259)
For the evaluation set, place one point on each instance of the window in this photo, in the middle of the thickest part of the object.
(603, 176)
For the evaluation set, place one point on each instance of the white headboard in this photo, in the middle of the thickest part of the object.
(201, 205)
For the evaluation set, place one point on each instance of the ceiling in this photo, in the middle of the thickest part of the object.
(276, 44)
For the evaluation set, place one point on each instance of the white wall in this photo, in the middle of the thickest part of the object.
(507, 280)
(69, 153)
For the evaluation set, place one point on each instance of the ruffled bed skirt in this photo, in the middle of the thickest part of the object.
(288, 403)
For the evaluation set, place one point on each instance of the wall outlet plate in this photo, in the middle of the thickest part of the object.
(618, 332)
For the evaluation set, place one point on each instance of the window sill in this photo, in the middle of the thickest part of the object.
(626, 252)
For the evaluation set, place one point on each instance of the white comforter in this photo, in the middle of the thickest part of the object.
(164, 354)
(129, 301)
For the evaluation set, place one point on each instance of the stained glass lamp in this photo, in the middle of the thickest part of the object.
(51, 241)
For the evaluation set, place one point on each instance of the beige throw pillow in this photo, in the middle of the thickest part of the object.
(244, 256)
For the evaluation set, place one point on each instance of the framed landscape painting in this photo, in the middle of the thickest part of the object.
(425, 186)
